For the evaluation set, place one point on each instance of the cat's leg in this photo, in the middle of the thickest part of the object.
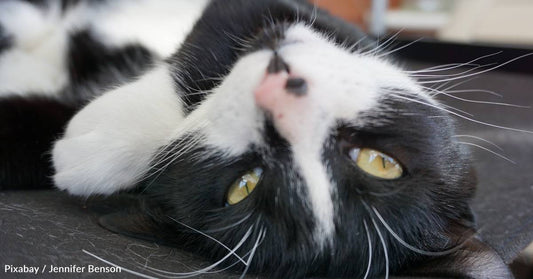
(108, 145)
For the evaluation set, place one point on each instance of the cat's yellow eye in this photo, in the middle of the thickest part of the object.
(376, 163)
(242, 187)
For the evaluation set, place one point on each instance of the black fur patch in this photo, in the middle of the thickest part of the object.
(94, 67)
(28, 126)
(5, 40)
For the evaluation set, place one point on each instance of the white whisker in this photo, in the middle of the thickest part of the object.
(480, 72)
(115, 265)
(488, 150)
(453, 85)
(230, 226)
(212, 238)
(410, 247)
(384, 248)
(456, 109)
(257, 242)
(461, 116)
(205, 269)
(454, 65)
(438, 92)
(400, 48)
(473, 91)
(369, 251)
(384, 44)
(481, 139)
(460, 74)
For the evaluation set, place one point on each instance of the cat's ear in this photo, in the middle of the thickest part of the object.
(139, 221)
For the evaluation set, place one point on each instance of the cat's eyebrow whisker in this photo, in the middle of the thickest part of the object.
(369, 250)
(394, 94)
(217, 78)
(481, 139)
(239, 41)
(488, 150)
(384, 245)
(410, 247)
(400, 48)
(480, 72)
(199, 93)
(384, 45)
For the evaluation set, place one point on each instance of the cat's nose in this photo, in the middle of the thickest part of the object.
(278, 78)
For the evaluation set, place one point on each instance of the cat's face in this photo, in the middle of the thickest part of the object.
(308, 156)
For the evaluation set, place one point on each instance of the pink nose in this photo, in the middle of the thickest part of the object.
(278, 87)
(271, 90)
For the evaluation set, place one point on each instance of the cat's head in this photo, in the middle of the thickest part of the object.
(312, 158)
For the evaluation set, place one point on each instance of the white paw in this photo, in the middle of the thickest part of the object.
(109, 144)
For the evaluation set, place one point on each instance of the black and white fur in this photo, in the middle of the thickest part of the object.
(169, 109)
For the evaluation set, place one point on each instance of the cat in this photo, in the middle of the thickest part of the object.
(259, 134)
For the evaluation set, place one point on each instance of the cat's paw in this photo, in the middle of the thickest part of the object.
(98, 163)
(108, 146)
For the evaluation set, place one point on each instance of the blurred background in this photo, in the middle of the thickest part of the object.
(508, 22)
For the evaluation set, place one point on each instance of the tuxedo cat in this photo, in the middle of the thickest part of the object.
(264, 135)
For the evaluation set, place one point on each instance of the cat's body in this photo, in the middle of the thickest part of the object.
(256, 84)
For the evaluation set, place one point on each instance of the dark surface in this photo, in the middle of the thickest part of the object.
(50, 228)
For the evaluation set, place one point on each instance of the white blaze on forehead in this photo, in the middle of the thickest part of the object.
(319, 190)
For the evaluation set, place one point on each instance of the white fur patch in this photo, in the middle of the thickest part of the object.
(160, 25)
(109, 144)
(35, 63)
